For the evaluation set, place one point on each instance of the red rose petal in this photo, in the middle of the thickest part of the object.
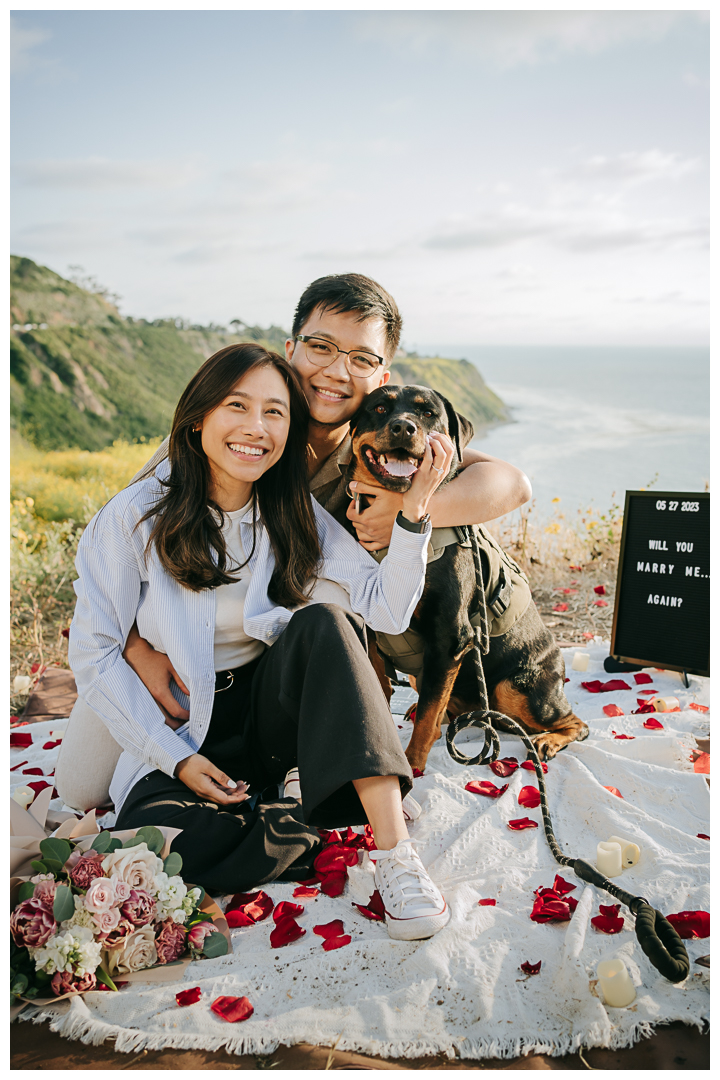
(370, 844)
(286, 930)
(486, 787)
(560, 607)
(642, 677)
(253, 906)
(613, 710)
(691, 924)
(33, 772)
(702, 763)
(333, 884)
(613, 791)
(238, 918)
(698, 708)
(702, 836)
(417, 773)
(20, 740)
(331, 929)
(611, 910)
(38, 785)
(600, 590)
(310, 881)
(550, 910)
(189, 997)
(561, 886)
(333, 837)
(335, 859)
(600, 603)
(18, 766)
(65, 633)
(643, 707)
(594, 686)
(51, 745)
(531, 768)
(529, 797)
(531, 969)
(286, 910)
(232, 1009)
(487, 903)
(648, 693)
(374, 909)
(522, 823)
(624, 736)
(607, 924)
(653, 725)
(306, 892)
(504, 766)
(571, 903)
(336, 942)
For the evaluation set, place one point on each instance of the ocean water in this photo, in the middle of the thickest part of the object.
(589, 423)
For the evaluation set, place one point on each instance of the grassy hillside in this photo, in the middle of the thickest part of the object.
(83, 376)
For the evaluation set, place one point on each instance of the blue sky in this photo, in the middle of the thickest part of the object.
(511, 177)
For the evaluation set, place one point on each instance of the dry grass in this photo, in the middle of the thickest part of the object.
(55, 494)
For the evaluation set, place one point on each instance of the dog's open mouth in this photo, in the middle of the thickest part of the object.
(393, 463)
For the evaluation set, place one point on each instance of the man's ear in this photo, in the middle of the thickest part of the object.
(461, 430)
(289, 349)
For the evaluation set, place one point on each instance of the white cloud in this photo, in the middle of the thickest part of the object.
(23, 42)
(632, 168)
(513, 38)
(103, 173)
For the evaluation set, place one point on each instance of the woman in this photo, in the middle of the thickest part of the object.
(210, 557)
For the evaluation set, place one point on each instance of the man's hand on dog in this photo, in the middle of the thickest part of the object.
(374, 524)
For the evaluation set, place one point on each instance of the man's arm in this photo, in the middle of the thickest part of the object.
(484, 489)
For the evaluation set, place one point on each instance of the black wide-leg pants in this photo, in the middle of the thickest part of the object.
(311, 700)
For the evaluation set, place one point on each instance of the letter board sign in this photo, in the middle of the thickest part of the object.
(662, 600)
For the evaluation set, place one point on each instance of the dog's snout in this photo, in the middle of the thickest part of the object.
(403, 427)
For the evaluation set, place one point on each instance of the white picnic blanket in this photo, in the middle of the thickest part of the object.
(462, 992)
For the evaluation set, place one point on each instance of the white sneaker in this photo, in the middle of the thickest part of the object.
(291, 788)
(414, 906)
(411, 808)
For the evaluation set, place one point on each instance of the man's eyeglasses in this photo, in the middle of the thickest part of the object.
(323, 353)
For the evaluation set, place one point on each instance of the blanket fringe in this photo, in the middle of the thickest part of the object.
(87, 1029)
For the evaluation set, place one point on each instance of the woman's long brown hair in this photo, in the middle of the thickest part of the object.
(186, 532)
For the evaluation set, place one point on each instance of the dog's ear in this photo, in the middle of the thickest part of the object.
(461, 430)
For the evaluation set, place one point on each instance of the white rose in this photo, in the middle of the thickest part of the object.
(138, 952)
(135, 865)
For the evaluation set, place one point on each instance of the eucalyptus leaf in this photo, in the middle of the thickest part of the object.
(173, 864)
(101, 842)
(152, 837)
(42, 977)
(32, 992)
(115, 843)
(54, 866)
(55, 848)
(215, 945)
(133, 841)
(26, 890)
(39, 867)
(64, 904)
(103, 977)
(20, 985)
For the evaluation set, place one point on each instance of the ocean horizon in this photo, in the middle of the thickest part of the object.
(589, 423)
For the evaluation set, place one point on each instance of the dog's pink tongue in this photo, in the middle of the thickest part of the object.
(399, 468)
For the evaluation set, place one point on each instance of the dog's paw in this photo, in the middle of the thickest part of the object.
(547, 745)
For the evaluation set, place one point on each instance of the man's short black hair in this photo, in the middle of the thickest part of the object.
(351, 292)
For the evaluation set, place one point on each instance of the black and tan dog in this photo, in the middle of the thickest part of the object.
(524, 670)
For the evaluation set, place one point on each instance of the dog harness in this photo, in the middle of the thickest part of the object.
(507, 595)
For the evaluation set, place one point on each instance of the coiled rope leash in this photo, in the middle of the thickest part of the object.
(658, 939)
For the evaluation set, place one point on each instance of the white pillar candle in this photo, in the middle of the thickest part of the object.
(666, 704)
(580, 661)
(615, 983)
(609, 858)
(630, 852)
(24, 796)
(21, 684)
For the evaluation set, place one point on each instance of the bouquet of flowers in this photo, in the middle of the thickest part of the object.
(113, 909)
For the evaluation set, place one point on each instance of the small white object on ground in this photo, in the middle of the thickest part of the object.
(24, 796)
(21, 684)
(630, 852)
(667, 704)
(615, 983)
(580, 661)
(609, 858)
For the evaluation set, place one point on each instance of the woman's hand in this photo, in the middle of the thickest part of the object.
(204, 778)
(433, 469)
(156, 672)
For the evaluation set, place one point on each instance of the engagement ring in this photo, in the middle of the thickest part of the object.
(436, 470)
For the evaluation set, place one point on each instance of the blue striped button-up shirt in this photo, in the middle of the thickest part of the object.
(120, 584)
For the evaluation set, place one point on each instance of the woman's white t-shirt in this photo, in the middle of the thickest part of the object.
(232, 646)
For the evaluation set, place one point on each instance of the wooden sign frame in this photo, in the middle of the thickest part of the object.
(679, 498)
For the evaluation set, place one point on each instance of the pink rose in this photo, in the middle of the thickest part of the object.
(31, 924)
(106, 920)
(100, 897)
(198, 933)
(122, 889)
(64, 982)
(170, 941)
(86, 870)
(45, 893)
(114, 939)
(139, 908)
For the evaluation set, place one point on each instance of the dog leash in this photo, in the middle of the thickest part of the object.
(658, 939)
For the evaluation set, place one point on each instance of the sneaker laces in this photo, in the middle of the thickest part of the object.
(406, 880)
